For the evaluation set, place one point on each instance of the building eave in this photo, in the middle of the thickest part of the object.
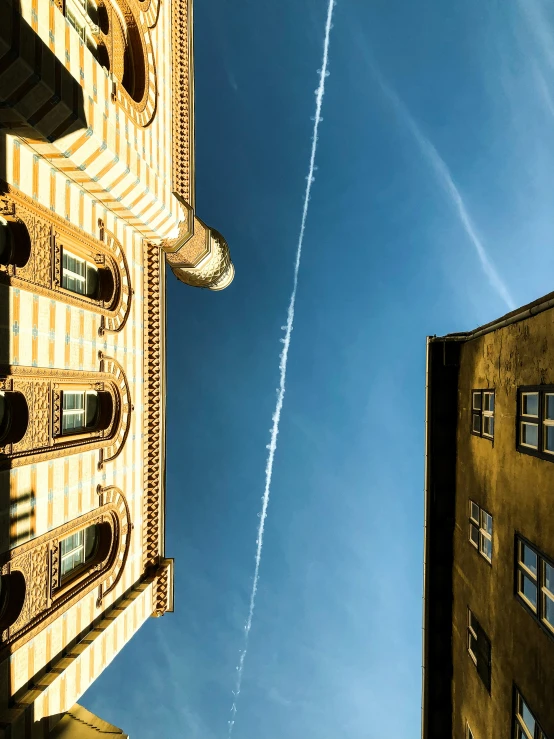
(439, 501)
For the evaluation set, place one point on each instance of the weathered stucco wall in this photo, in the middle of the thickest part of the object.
(518, 491)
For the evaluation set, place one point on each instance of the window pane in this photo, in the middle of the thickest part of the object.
(486, 522)
(474, 534)
(92, 280)
(91, 534)
(530, 434)
(548, 606)
(477, 401)
(73, 400)
(474, 511)
(529, 589)
(527, 717)
(549, 577)
(73, 264)
(488, 425)
(549, 406)
(488, 402)
(549, 439)
(486, 547)
(92, 408)
(72, 420)
(528, 557)
(477, 423)
(530, 404)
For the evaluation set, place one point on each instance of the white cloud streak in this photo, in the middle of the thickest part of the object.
(450, 188)
(272, 446)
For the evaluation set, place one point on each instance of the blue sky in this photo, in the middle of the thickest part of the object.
(431, 212)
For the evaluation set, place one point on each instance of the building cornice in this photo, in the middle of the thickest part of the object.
(154, 406)
(183, 100)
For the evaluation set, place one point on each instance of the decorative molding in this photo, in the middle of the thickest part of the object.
(48, 233)
(112, 495)
(163, 589)
(150, 10)
(154, 372)
(125, 408)
(128, 42)
(41, 389)
(183, 100)
(46, 596)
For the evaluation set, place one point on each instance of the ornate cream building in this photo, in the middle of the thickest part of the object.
(96, 195)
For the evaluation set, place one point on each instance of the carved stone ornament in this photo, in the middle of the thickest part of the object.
(40, 237)
(43, 389)
(154, 327)
(46, 595)
(126, 44)
(162, 596)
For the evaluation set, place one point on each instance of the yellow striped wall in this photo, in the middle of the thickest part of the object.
(48, 333)
(120, 164)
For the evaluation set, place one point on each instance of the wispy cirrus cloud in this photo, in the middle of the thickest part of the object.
(447, 183)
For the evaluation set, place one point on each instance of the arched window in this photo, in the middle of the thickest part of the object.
(85, 410)
(12, 596)
(15, 244)
(14, 417)
(77, 550)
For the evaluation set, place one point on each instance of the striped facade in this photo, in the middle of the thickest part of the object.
(84, 163)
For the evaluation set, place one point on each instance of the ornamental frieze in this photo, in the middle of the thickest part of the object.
(39, 245)
(36, 589)
(48, 413)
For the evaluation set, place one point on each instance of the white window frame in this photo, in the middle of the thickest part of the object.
(79, 548)
(520, 723)
(75, 23)
(481, 414)
(81, 412)
(522, 570)
(488, 414)
(469, 732)
(81, 279)
(476, 519)
(538, 421)
(471, 633)
(544, 593)
(547, 423)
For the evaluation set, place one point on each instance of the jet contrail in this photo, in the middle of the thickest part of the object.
(272, 446)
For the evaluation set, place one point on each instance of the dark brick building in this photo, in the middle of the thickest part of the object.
(488, 623)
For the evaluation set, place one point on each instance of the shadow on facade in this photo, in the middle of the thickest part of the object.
(59, 110)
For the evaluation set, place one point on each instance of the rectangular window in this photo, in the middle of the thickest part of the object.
(74, 273)
(479, 649)
(78, 549)
(535, 421)
(482, 413)
(73, 552)
(469, 732)
(78, 275)
(535, 583)
(79, 410)
(480, 530)
(526, 725)
(77, 25)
